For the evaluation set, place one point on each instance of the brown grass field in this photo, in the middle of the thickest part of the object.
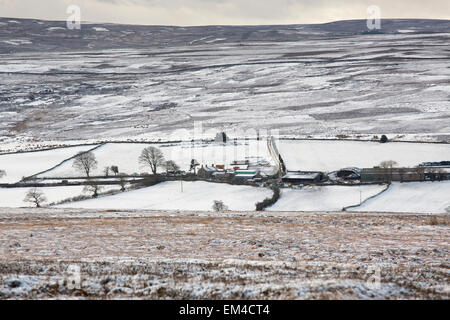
(55, 254)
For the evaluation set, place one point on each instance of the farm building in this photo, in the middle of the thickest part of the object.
(245, 174)
(221, 137)
(240, 167)
(300, 177)
(219, 174)
(206, 172)
(435, 164)
(239, 163)
(392, 174)
(349, 173)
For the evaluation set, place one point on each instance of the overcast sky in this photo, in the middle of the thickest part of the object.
(225, 12)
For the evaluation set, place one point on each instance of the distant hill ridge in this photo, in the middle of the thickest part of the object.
(25, 35)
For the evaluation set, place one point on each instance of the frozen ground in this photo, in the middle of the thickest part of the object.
(186, 196)
(334, 155)
(332, 198)
(19, 165)
(322, 80)
(13, 197)
(162, 255)
(424, 197)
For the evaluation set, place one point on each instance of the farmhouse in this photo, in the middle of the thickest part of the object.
(206, 172)
(301, 177)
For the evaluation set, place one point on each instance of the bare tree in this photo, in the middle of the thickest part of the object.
(171, 166)
(420, 172)
(106, 171)
(2, 173)
(93, 187)
(85, 162)
(402, 173)
(436, 173)
(122, 181)
(35, 196)
(388, 166)
(441, 174)
(152, 157)
(219, 206)
(115, 169)
(194, 165)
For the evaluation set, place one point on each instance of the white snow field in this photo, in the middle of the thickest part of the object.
(13, 197)
(197, 195)
(125, 156)
(333, 155)
(20, 165)
(414, 197)
(329, 198)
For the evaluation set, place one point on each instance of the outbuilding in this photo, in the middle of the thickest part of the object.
(303, 177)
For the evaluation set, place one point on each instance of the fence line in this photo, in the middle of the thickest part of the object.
(367, 199)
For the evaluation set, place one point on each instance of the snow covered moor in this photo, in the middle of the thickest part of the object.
(307, 161)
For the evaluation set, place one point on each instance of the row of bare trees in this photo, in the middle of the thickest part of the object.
(151, 157)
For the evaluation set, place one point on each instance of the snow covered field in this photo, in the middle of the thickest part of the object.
(334, 155)
(420, 197)
(125, 156)
(197, 195)
(332, 198)
(13, 197)
(20, 165)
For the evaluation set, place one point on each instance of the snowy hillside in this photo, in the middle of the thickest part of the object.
(20, 165)
(332, 198)
(301, 80)
(174, 195)
(420, 197)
